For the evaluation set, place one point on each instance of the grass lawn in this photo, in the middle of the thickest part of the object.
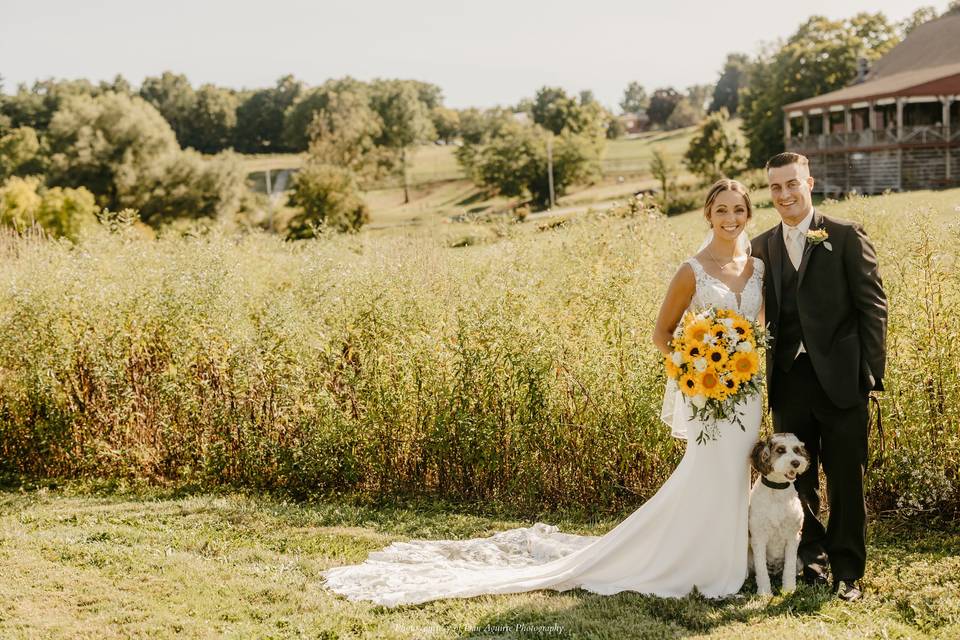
(83, 563)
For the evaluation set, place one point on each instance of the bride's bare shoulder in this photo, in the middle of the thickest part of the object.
(685, 277)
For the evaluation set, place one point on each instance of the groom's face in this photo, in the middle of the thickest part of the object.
(790, 190)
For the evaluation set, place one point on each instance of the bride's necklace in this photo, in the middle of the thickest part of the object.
(720, 265)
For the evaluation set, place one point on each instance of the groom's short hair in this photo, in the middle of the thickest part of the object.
(787, 158)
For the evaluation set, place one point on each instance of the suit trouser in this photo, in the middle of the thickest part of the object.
(837, 439)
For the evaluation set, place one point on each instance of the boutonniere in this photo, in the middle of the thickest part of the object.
(819, 236)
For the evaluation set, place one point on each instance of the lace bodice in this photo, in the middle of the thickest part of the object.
(713, 292)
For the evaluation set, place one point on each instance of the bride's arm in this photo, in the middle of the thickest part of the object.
(679, 294)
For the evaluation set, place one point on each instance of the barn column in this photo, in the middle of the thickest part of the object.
(786, 128)
(806, 124)
(900, 102)
(947, 101)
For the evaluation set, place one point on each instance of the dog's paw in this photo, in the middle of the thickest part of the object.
(788, 588)
(764, 592)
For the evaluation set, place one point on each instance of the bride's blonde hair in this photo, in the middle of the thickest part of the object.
(725, 184)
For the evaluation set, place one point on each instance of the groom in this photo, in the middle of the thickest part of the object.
(827, 314)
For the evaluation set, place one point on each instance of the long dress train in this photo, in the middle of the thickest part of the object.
(692, 533)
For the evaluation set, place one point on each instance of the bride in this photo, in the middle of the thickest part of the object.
(691, 534)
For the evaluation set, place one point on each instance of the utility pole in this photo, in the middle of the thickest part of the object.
(266, 176)
(550, 167)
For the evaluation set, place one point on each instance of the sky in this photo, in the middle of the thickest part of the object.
(481, 53)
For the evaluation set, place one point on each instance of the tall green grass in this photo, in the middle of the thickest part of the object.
(515, 369)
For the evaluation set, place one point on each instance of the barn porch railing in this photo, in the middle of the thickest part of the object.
(872, 138)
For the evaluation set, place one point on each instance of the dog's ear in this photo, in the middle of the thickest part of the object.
(760, 457)
(805, 453)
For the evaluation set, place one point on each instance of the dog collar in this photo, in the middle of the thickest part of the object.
(774, 485)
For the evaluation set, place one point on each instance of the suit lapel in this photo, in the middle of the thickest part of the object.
(816, 223)
(775, 251)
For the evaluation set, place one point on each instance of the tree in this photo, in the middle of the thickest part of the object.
(34, 107)
(107, 144)
(915, 19)
(664, 171)
(328, 196)
(476, 129)
(429, 94)
(187, 185)
(634, 98)
(406, 121)
(683, 115)
(119, 84)
(344, 134)
(300, 114)
(447, 123)
(698, 95)
(212, 121)
(19, 149)
(662, 103)
(514, 161)
(553, 109)
(175, 99)
(60, 212)
(615, 128)
(557, 112)
(122, 150)
(726, 93)
(260, 117)
(713, 152)
(820, 57)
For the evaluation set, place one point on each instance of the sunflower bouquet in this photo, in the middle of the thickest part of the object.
(716, 364)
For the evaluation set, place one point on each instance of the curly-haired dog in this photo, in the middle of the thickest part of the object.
(776, 515)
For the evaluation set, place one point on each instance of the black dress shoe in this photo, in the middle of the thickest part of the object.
(847, 590)
(814, 575)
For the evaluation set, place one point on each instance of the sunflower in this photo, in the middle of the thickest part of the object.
(695, 331)
(725, 313)
(710, 383)
(693, 350)
(718, 331)
(729, 385)
(743, 365)
(743, 328)
(673, 371)
(717, 356)
(689, 385)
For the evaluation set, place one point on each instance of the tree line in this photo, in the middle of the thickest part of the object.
(71, 149)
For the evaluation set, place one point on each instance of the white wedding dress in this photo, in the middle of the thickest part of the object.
(692, 533)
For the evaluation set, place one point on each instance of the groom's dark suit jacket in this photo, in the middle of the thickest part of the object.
(841, 306)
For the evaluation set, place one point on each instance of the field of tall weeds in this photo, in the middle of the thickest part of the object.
(502, 362)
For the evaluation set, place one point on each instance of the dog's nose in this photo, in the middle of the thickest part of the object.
(795, 464)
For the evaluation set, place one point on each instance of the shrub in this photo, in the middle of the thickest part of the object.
(187, 185)
(328, 196)
(514, 371)
(60, 212)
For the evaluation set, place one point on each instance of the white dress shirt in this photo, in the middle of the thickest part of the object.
(794, 240)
